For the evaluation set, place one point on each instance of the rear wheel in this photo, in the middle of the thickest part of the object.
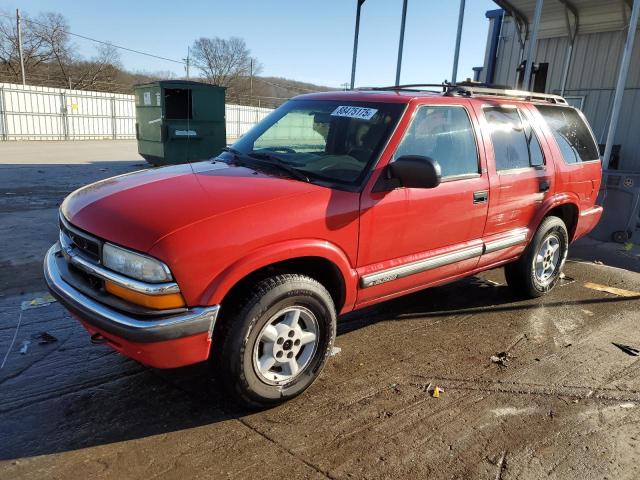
(276, 342)
(538, 269)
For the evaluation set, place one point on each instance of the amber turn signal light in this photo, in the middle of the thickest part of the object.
(155, 302)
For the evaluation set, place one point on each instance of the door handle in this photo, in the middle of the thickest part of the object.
(480, 197)
(544, 186)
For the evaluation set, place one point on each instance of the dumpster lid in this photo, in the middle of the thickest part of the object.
(163, 83)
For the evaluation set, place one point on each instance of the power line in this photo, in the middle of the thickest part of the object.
(139, 52)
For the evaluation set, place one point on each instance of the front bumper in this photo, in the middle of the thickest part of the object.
(164, 341)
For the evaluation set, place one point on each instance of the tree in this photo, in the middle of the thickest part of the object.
(50, 57)
(226, 63)
(40, 43)
(51, 31)
(101, 70)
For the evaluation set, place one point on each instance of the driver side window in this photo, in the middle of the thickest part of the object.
(445, 134)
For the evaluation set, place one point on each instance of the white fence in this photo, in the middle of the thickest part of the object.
(43, 113)
(240, 118)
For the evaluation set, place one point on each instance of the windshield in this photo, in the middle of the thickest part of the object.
(325, 140)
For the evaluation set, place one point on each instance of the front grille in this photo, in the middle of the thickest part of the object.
(89, 246)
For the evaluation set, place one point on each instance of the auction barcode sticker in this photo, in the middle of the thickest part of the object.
(361, 113)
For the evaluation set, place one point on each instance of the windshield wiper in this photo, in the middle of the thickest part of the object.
(271, 159)
(264, 159)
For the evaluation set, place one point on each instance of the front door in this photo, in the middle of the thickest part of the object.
(412, 237)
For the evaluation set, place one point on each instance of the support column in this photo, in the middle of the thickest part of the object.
(531, 48)
(571, 33)
(567, 64)
(622, 80)
(401, 42)
(456, 55)
(355, 44)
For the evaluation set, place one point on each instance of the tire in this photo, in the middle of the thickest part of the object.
(621, 236)
(262, 326)
(537, 271)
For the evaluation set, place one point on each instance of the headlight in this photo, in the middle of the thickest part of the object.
(134, 265)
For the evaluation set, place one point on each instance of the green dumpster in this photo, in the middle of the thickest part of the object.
(179, 121)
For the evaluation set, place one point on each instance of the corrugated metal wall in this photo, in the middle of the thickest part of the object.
(593, 74)
(43, 113)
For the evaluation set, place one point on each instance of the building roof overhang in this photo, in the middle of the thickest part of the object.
(591, 16)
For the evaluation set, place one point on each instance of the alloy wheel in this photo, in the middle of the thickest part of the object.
(286, 345)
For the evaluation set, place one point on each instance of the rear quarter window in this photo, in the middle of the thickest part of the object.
(571, 133)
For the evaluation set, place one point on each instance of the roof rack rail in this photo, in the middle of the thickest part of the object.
(411, 86)
(470, 89)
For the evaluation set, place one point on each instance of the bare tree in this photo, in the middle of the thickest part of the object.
(51, 29)
(225, 62)
(38, 48)
(51, 58)
(98, 72)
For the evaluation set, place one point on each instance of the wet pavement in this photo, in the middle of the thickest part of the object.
(566, 404)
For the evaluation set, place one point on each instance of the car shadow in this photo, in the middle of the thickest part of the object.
(147, 402)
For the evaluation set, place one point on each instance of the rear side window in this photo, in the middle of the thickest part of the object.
(443, 133)
(571, 133)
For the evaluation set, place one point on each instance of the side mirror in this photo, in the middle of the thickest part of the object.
(416, 171)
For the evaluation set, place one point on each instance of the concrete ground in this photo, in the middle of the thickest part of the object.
(565, 405)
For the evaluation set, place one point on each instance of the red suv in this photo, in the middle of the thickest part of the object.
(334, 202)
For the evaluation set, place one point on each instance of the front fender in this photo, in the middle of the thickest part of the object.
(268, 255)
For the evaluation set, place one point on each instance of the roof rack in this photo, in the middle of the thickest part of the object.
(470, 89)
(411, 86)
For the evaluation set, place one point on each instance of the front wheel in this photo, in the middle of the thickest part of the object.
(277, 342)
(538, 270)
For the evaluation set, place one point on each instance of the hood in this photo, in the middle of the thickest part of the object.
(138, 209)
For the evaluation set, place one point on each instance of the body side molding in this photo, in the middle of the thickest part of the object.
(514, 238)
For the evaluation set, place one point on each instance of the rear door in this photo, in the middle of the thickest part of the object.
(521, 178)
(411, 237)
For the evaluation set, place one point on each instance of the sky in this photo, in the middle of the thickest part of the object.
(305, 40)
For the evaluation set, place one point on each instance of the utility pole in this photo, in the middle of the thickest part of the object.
(251, 81)
(188, 61)
(24, 81)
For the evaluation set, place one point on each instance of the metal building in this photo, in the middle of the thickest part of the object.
(582, 49)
